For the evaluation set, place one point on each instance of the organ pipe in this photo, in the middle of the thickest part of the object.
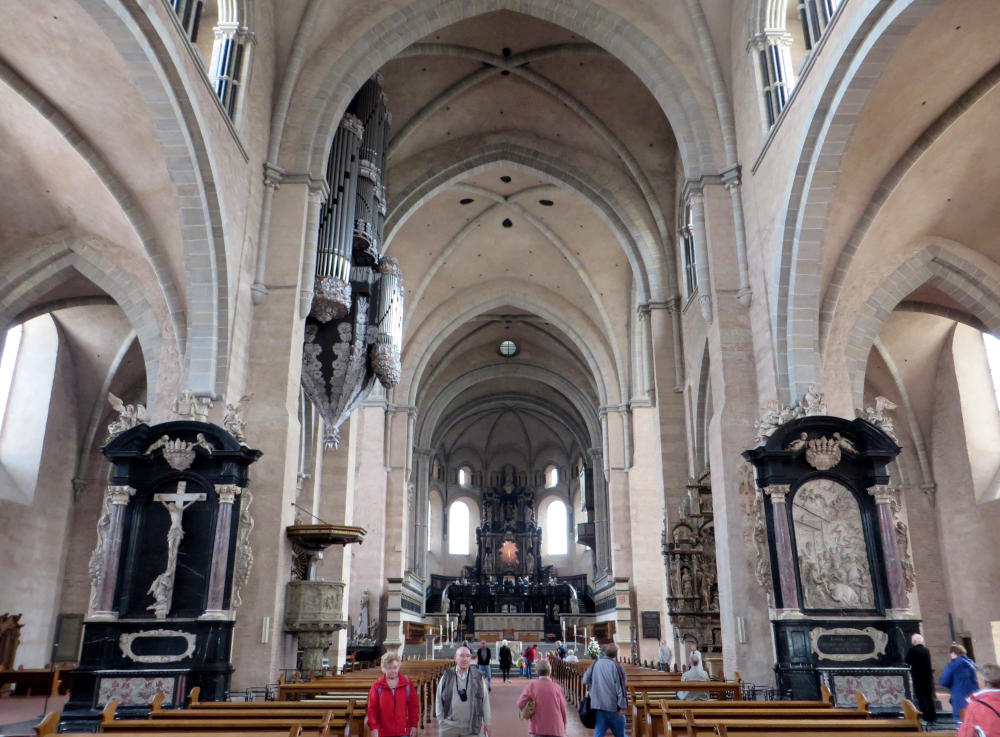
(389, 324)
(369, 105)
(335, 246)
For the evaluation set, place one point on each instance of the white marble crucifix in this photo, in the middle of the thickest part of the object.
(163, 587)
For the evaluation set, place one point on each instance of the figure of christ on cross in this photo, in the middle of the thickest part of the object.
(163, 587)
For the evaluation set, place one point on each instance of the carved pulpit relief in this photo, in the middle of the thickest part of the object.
(163, 587)
(833, 556)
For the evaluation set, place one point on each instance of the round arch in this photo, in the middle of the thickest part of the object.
(690, 109)
(611, 378)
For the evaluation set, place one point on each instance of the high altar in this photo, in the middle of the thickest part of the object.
(508, 577)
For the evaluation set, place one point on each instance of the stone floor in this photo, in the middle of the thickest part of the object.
(19, 714)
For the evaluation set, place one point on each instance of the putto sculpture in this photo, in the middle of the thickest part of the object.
(235, 425)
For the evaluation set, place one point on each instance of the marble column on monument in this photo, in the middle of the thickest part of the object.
(104, 561)
(885, 499)
(227, 494)
(783, 546)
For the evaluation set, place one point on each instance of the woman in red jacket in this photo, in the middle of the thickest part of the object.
(393, 709)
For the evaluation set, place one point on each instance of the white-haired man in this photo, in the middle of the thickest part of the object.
(919, 660)
(463, 704)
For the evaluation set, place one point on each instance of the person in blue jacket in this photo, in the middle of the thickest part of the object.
(959, 678)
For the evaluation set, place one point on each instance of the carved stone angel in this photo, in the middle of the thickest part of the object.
(130, 416)
(877, 416)
(771, 417)
(234, 424)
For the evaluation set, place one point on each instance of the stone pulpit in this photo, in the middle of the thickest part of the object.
(172, 552)
(840, 570)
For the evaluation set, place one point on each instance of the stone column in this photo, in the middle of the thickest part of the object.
(747, 638)
(104, 561)
(885, 498)
(783, 545)
(273, 374)
(220, 552)
(422, 461)
(602, 544)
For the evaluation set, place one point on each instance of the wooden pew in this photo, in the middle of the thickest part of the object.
(50, 725)
(753, 722)
(33, 681)
(645, 712)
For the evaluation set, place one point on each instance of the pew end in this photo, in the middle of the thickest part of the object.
(911, 715)
(738, 695)
(862, 701)
(194, 696)
(157, 703)
(108, 713)
(49, 725)
(825, 694)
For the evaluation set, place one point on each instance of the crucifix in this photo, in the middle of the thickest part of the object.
(163, 587)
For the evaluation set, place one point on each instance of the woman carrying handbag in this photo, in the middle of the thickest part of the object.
(543, 704)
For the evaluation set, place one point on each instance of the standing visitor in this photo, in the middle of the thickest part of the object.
(560, 650)
(919, 659)
(463, 704)
(982, 715)
(483, 656)
(605, 681)
(521, 662)
(961, 679)
(393, 704)
(549, 719)
(665, 655)
(506, 660)
(529, 659)
(695, 673)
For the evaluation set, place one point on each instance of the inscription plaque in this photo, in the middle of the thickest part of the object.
(651, 625)
(847, 644)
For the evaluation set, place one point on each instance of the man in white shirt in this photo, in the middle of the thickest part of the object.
(695, 673)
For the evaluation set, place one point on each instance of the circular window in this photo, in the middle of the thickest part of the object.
(508, 348)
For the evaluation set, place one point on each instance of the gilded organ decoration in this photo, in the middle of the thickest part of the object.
(832, 553)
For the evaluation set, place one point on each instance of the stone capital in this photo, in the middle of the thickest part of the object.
(272, 175)
(227, 492)
(120, 494)
(883, 493)
(777, 492)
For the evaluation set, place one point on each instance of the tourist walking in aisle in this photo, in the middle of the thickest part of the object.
(393, 703)
(695, 673)
(918, 658)
(483, 656)
(982, 715)
(961, 679)
(463, 703)
(605, 681)
(549, 716)
(530, 655)
(506, 661)
(665, 655)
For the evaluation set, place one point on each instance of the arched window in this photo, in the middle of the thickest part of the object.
(687, 242)
(551, 477)
(11, 346)
(458, 529)
(555, 529)
(464, 476)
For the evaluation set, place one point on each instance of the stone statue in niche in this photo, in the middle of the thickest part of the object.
(833, 556)
(687, 583)
(529, 561)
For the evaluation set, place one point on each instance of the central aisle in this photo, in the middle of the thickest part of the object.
(503, 702)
